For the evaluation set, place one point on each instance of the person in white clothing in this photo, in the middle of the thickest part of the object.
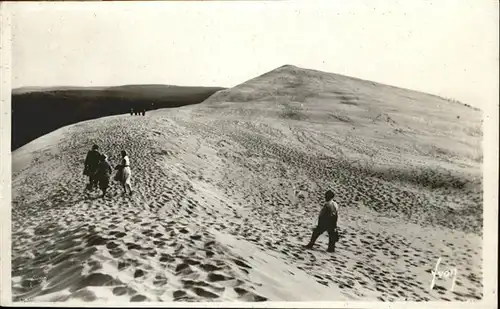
(327, 222)
(124, 173)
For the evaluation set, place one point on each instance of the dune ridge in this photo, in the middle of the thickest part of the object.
(227, 192)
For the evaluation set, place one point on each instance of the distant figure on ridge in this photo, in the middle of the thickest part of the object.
(327, 221)
(103, 174)
(124, 173)
(144, 112)
(131, 112)
(91, 164)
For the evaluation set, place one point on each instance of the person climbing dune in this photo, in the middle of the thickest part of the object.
(103, 174)
(327, 222)
(124, 173)
(91, 163)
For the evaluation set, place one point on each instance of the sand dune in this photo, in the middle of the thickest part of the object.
(227, 193)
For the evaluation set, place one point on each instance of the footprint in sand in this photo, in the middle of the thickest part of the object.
(138, 298)
(248, 296)
(204, 293)
(95, 279)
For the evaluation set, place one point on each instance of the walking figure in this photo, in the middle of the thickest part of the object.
(327, 222)
(91, 163)
(124, 173)
(103, 174)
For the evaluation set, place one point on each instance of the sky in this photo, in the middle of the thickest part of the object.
(444, 47)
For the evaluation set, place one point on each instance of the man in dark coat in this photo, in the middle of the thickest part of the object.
(327, 222)
(103, 174)
(91, 163)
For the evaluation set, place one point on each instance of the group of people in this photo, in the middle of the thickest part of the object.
(98, 169)
(132, 112)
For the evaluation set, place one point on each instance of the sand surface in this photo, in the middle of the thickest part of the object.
(227, 192)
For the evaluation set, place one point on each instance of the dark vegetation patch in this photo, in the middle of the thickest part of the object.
(341, 118)
(292, 112)
(346, 98)
(293, 115)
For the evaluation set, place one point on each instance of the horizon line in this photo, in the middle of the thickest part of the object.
(449, 99)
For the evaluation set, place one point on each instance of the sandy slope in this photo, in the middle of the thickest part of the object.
(227, 193)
